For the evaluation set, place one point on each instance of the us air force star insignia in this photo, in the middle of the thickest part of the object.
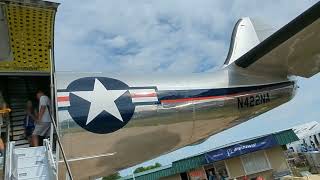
(101, 100)
(103, 105)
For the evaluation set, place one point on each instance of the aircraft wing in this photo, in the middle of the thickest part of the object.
(292, 50)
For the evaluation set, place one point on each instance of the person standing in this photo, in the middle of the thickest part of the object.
(43, 122)
(4, 114)
(29, 120)
(211, 176)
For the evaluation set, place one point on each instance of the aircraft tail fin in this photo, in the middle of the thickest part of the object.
(247, 33)
(293, 50)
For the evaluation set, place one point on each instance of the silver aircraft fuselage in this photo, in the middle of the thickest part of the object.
(165, 112)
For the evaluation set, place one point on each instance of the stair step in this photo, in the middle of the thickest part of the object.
(18, 113)
(18, 100)
(18, 104)
(32, 161)
(16, 84)
(30, 152)
(17, 110)
(18, 133)
(24, 146)
(15, 79)
(18, 128)
(21, 142)
(18, 90)
(18, 137)
(17, 123)
(39, 178)
(18, 94)
(17, 118)
(33, 172)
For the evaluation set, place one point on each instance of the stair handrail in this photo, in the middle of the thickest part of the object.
(8, 160)
(49, 154)
(60, 144)
(10, 145)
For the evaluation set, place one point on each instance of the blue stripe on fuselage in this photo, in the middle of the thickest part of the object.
(197, 93)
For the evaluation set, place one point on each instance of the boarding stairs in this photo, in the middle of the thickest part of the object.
(31, 163)
(18, 94)
(23, 162)
(27, 163)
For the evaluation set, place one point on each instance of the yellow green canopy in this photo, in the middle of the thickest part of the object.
(27, 30)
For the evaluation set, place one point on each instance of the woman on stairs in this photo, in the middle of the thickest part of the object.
(31, 115)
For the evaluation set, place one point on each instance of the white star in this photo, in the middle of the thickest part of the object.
(101, 100)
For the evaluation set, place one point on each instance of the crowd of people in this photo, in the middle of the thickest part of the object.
(310, 148)
(217, 176)
(37, 121)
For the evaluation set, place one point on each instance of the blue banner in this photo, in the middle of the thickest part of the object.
(239, 149)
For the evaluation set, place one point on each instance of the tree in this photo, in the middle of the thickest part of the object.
(147, 168)
(112, 176)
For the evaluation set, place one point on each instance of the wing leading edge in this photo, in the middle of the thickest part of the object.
(292, 50)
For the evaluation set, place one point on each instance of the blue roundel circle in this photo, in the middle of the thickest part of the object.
(103, 122)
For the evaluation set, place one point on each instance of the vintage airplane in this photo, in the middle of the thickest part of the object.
(108, 122)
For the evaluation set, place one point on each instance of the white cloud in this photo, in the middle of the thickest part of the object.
(116, 42)
(152, 34)
(155, 35)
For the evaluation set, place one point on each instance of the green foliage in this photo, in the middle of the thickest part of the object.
(142, 169)
(112, 177)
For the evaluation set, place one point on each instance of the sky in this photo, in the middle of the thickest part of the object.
(181, 36)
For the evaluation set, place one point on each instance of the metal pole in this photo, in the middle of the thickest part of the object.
(52, 91)
(67, 177)
(60, 145)
(133, 175)
(57, 158)
(8, 124)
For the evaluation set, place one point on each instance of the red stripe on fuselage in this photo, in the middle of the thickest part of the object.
(142, 95)
(63, 98)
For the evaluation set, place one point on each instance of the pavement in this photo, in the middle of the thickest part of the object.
(311, 177)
